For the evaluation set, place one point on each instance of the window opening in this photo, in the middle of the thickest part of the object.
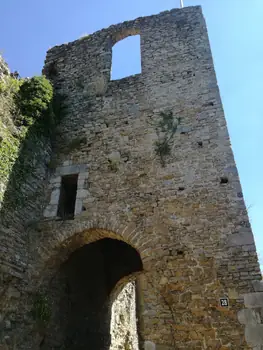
(126, 58)
(68, 194)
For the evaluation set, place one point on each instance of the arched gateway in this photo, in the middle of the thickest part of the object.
(84, 300)
(86, 289)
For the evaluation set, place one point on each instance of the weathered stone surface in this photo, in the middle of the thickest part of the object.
(253, 300)
(55, 196)
(248, 316)
(163, 347)
(258, 286)
(240, 239)
(148, 345)
(254, 335)
(189, 227)
(51, 210)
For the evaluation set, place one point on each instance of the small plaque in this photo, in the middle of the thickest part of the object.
(224, 302)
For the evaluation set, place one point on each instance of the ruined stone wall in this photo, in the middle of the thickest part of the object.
(23, 172)
(182, 210)
(191, 210)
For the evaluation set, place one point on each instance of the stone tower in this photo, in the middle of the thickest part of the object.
(142, 240)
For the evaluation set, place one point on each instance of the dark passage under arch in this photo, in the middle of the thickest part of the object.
(80, 295)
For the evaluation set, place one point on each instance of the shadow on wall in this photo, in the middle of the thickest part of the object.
(26, 150)
(27, 122)
(80, 298)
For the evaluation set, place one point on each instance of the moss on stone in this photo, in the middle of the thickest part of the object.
(41, 309)
(165, 130)
(9, 150)
(27, 122)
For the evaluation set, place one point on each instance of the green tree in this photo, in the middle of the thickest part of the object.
(34, 99)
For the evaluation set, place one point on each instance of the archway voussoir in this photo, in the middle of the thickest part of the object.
(129, 231)
(136, 239)
(120, 229)
(147, 242)
(136, 235)
(132, 233)
(63, 238)
(125, 228)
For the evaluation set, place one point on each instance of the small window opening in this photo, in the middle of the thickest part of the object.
(180, 252)
(224, 180)
(67, 199)
(126, 58)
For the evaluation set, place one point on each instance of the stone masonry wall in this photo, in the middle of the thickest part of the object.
(20, 207)
(192, 210)
(185, 216)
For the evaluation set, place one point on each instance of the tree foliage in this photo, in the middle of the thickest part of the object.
(34, 99)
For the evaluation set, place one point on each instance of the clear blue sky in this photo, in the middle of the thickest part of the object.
(29, 27)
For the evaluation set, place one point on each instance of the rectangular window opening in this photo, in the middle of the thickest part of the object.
(126, 58)
(67, 198)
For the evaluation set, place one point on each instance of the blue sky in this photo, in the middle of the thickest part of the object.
(29, 27)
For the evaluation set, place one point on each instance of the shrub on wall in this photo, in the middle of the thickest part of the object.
(34, 99)
(28, 118)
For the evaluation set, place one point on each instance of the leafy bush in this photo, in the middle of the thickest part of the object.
(10, 86)
(34, 98)
(9, 147)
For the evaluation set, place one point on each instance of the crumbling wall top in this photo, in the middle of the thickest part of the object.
(122, 30)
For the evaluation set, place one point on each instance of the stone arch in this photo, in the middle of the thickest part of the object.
(121, 283)
(57, 240)
(123, 33)
(62, 241)
(116, 35)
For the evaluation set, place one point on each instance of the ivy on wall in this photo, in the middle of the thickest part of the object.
(35, 113)
(165, 130)
(9, 148)
(41, 309)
